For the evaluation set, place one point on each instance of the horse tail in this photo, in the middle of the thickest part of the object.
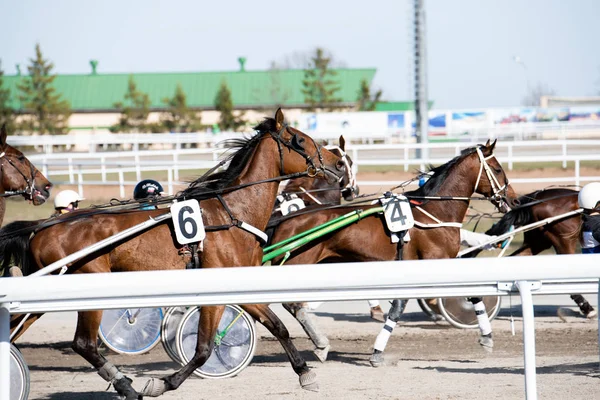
(15, 245)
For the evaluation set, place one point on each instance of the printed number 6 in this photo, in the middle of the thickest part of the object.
(184, 221)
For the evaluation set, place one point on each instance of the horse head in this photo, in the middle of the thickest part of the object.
(301, 153)
(492, 180)
(18, 176)
(348, 186)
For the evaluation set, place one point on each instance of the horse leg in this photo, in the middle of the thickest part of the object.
(585, 307)
(263, 314)
(393, 317)
(85, 344)
(16, 320)
(308, 323)
(210, 316)
(485, 328)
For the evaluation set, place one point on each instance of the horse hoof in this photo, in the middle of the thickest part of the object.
(592, 314)
(377, 314)
(123, 387)
(322, 353)
(308, 381)
(154, 388)
(487, 343)
(377, 360)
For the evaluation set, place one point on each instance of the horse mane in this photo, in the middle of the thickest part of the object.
(239, 152)
(435, 182)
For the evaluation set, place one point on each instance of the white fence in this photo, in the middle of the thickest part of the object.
(96, 168)
(346, 281)
(97, 142)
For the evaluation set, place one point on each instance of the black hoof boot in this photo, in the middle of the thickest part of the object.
(124, 388)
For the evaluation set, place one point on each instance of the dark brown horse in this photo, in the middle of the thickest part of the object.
(245, 192)
(18, 177)
(562, 235)
(369, 239)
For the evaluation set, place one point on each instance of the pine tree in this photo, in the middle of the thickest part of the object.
(319, 83)
(223, 103)
(6, 112)
(47, 112)
(134, 110)
(179, 118)
(365, 100)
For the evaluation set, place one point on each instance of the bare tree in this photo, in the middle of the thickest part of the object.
(304, 60)
(536, 92)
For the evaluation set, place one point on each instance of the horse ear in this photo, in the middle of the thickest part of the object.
(487, 144)
(491, 146)
(278, 119)
(3, 135)
(342, 143)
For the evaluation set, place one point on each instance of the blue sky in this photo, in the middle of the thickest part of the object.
(471, 43)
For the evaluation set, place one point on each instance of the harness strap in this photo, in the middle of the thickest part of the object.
(438, 222)
(311, 196)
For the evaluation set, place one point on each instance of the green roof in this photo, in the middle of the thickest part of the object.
(398, 105)
(248, 88)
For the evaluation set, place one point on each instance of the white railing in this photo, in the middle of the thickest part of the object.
(92, 142)
(346, 281)
(83, 169)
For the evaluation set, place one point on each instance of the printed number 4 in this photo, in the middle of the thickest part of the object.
(397, 213)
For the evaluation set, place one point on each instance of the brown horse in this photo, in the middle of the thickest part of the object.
(368, 239)
(245, 192)
(562, 235)
(18, 177)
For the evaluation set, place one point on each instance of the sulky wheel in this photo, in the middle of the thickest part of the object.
(431, 308)
(131, 330)
(19, 375)
(235, 342)
(459, 312)
(168, 331)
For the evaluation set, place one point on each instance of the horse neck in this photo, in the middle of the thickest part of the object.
(324, 193)
(460, 182)
(253, 204)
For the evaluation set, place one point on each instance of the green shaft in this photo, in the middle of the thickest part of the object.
(314, 233)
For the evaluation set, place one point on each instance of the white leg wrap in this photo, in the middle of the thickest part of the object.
(482, 318)
(109, 372)
(384, 335)
(373, 303)
(154, 388)
(313, 305)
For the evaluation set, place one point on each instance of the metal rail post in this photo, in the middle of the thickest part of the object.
(4, 352)
(528, 339)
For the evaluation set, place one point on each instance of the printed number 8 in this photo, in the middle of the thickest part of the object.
(184, 221)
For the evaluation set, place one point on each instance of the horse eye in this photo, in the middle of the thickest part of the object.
(498, 170)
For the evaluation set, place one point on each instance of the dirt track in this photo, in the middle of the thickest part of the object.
(425, 360)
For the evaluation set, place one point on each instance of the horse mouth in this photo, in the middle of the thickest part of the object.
(37, 197)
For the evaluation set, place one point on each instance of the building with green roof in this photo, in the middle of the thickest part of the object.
(93, 96)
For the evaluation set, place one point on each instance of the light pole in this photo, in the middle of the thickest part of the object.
(520, 61)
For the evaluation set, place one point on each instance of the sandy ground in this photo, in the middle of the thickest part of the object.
(424, 360)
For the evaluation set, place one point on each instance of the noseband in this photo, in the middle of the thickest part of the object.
(28, 189)
(500, 192)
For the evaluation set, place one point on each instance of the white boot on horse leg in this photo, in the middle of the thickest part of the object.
(394, 314)
(321, 342)
(485, 328)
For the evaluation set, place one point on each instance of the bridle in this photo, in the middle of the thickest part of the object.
(351, 185)
(500, 192)
(293, 144)
(29, 188)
